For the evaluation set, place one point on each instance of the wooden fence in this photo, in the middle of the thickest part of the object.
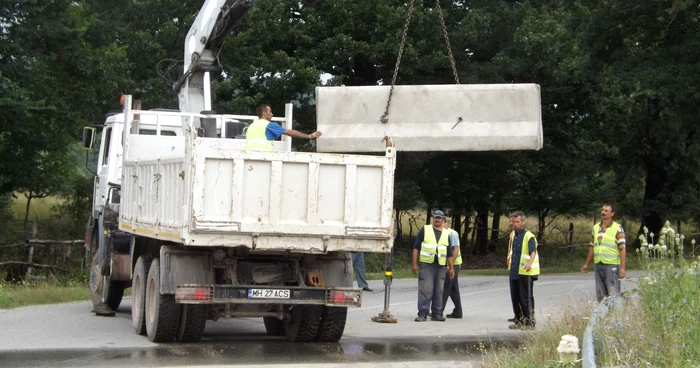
(20, 258)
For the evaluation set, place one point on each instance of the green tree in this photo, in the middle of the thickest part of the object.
(646, 57)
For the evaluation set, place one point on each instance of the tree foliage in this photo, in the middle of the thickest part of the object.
(619, 82)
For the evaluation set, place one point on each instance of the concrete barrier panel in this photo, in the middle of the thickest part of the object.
(476, 117)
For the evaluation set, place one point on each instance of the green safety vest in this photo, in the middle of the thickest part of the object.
(255, 138)
(458, 259)
(524, 255)
(432, 246)
(605, 248)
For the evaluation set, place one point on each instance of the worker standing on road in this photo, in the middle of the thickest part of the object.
(452, 284)
(524, 265)
(358, 265)
(432, 259)
(261, 132)
(607, 253)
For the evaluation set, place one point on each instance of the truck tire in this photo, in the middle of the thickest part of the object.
(195, 320)
(274, 326)
(303, 326)
(332, 324)
(138, 292)
(114, 291)
(162, 313)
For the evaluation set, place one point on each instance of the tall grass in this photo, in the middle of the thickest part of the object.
(539, 348)
(656, 325)
(47, 292)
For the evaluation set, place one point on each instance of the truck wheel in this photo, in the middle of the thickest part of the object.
(274, 326)
(303, 326)
(195, 320)
(99, 285)
(138, 292)
(162, 313)
(332, 324)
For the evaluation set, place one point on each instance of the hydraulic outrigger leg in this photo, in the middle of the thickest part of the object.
(385, 316)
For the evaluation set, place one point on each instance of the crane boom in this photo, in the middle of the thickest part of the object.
(216, 20)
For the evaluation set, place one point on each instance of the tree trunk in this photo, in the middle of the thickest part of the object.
(541, 223)
(26, 211)
(481, 223)
(653, 185)
(464, 240)
(30, 247)
(495, 225)
(399, 230)
(496, 221)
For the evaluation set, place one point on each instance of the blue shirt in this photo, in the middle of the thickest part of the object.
(274, 131)
(454, 238)
(438, 233)
(517, 250)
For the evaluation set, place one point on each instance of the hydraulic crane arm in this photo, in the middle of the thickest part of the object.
(216, 20)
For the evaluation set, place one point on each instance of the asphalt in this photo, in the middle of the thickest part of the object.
(68, 335)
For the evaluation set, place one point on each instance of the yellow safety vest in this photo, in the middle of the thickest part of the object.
(255, 138)
(605, 248)
(524, 255)
(432, 246)
(458, 259)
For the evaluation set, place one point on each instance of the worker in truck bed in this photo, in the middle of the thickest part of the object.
(261, 133)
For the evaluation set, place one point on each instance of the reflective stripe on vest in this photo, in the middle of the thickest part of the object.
(605, 248)
(524, 255)
(255, 138)
(458, 259)
(431, 246)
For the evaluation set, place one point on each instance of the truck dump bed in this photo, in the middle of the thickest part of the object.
(209, 192)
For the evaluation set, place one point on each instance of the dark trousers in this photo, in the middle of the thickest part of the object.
(523, 300)
(607, 280)
(451, 291)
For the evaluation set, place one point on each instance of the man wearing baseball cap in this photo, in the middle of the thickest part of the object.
(432, 260)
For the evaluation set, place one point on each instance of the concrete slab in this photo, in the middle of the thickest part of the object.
(494, 117)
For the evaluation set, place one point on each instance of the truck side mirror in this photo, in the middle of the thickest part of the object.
(88, 138)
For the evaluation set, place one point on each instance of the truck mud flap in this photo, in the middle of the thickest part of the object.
(250, 294)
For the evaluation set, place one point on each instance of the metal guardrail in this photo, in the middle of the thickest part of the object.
(600, 311)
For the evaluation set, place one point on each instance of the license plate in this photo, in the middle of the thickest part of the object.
(268, 294)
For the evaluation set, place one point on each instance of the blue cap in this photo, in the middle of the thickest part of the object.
(439, 213)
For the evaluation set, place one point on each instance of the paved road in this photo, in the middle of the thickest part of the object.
(69, 335)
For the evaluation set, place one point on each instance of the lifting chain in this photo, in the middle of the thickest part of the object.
(447, 41)
(385, 117)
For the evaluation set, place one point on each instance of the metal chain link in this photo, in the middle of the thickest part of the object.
(447, 41)
(384, 118)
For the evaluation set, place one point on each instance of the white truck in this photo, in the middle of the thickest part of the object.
(201, 229)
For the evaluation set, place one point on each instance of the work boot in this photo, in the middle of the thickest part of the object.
(438, 318)
(421, 319)
(103, 310)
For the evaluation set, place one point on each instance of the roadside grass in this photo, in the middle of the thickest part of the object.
(539, 348)
(653, 325)
(14, 296)
(657, 324)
